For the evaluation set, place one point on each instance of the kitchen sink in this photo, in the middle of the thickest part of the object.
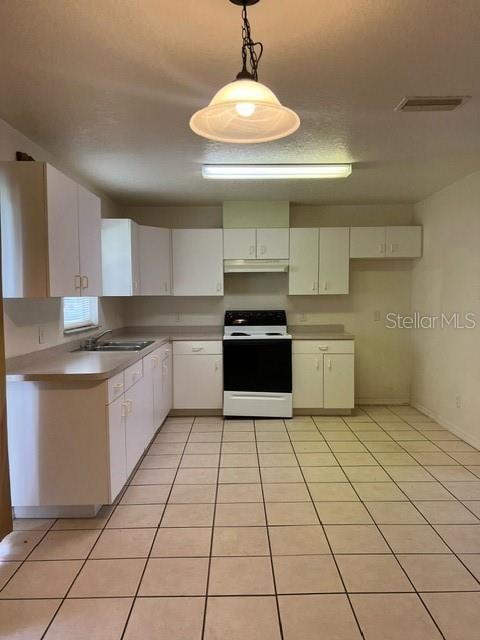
(120, 345)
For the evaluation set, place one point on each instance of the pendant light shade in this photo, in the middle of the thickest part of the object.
(244, 112)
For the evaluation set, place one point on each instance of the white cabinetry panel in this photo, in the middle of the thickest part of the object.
(303, 270)
(273, 244)
(307, 382)
(116, 417)
(338, 375)
(197, 262)
(367, 242)
(239, 244)
(155, 261)
(90, 242)
(404, 242)
(334, 260)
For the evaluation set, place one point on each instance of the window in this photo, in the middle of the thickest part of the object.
(80, 313)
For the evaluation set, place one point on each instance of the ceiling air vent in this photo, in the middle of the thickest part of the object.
(431, 103)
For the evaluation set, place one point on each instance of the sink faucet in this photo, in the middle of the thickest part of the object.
(91, 343)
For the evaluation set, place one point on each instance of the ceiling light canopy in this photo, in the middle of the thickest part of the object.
(245, 111)
(275, 171)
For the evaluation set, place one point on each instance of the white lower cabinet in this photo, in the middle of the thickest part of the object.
(307, 382)
(117, 461)
(338, 381)
(139, 423)
(159, 363)
(197, 375)
(323, 374)
(72, 446)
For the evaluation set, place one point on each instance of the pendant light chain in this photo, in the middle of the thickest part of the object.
(249, 50)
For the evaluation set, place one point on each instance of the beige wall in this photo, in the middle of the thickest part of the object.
(22, 318)
(446, 363)
(383, 364)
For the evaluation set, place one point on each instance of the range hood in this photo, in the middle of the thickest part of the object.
(255, 266)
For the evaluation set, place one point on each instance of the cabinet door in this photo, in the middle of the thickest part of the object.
(166, 383)
(338, 381)
(90, 241)
(63, 244)
(139, 421)
(239, 244)
(334, 260)
(116, 417)
(272, 243)
(197, 382)
(118, 249)
(404, 242)
(303, 270)
(155, 261)
(367, 242)
(197, 262)
(307, 382)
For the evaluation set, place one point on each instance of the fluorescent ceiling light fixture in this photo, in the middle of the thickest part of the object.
(275, 171)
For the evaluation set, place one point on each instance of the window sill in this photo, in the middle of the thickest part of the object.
(86, 329)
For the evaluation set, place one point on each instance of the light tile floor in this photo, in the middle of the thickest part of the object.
(316, 528)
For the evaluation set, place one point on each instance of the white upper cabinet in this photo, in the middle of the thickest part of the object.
(404, 242)
(239, 244)
(155, 261)
(120, 257)
(273, 244)
(334, 260)
(303, 270)
(386, 242)
(197, 256)
(90, 241)
(367, 242)
(63, 236)
(50, 233)
(319, 261)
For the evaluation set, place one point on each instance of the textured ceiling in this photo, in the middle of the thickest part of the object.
(108, 86)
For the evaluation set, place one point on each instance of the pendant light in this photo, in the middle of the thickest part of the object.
(245, 111)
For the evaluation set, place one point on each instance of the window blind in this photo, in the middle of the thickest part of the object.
(80, 312)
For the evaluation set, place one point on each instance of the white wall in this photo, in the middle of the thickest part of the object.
(446, 363)
(22, 318)
(383, 364)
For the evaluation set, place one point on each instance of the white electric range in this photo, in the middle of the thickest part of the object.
(257, 364)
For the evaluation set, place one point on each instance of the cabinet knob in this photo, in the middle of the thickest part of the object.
(196, 349)
(325, 285)
(84, 282)
(263, 249)
(118, 386)
(251, 250)
(314, 285)
(323, 348)
(78, 282)
(317, 364)
(124, 410)
(329, 365)
(216, 366)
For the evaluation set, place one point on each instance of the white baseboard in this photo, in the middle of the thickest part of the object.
(380, 401)
(467, 437)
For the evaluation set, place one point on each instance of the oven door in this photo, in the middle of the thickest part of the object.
(257, 365)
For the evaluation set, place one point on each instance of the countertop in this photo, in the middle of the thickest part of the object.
(65, 363)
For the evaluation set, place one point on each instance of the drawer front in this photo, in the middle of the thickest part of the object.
(133, 374)
(199, 347)
(323, 346)
(116, 386)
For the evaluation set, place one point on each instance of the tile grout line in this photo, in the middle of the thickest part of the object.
(277, 602)
(207, 586)
(135, 596)
(412, 502)
(325, 534)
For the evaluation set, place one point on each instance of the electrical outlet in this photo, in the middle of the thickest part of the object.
(458, 402)
(41, 335)
(376, 316)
